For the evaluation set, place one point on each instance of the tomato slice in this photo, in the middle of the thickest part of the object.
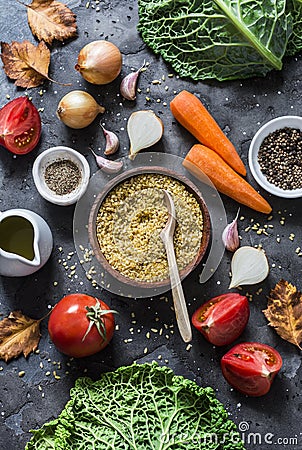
(20, 126)
(222, 319)
(250, 367)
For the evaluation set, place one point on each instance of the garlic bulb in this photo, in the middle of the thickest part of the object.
(230, 237)
(249, 265)
(99, 62)
(144, 129)
(78, 109)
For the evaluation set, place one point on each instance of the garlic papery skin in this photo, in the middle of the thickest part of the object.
(78, 109)
(144, 130)
(112, 142)
(249, 265)
(106, 165)
(230, 237)
(99, 62)
(129, 83)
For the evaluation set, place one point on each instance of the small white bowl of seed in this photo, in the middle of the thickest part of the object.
(61, 175)
(275, 156)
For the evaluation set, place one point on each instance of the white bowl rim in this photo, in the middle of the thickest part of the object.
(60, 151)
(265, 130)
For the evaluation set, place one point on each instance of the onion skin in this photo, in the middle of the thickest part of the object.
(99, 62)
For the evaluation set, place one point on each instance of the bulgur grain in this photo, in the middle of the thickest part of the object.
(131, 218)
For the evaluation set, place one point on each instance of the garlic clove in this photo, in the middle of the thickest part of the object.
(144, 130)
(249, 265)
(112, 142)
(129, 83)
(230, 237)
(106, 165)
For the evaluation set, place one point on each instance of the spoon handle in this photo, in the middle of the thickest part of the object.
(181, 312)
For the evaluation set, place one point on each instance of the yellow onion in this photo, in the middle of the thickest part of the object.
(99, 62)
(78, 109)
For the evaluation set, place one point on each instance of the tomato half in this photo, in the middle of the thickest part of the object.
(81, 325)
(222, 319)
(20, 126)
(250, 367)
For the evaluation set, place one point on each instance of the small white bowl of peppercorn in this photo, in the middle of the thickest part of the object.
(275, 156)
(61, 175)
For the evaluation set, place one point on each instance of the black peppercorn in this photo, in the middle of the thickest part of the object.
(280, 158)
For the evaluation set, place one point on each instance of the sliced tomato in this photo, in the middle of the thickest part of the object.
(222, 319)
(81, 325)
(20, 126)
(250, 367)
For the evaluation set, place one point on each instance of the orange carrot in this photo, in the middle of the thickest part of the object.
(192, 115)
(202, 160)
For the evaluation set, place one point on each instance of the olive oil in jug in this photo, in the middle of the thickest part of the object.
(17, 236)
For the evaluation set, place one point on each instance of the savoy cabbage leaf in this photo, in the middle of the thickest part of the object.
(139, 407)
(222, 39)
(295, 40)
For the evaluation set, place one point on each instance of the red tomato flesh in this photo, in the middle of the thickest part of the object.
(20, 126)
(250, 367)
(222, 319)
(68, 325)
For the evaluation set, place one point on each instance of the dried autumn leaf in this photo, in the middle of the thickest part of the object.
(18, 334)
(284, 312)
(26, 63)
(50, 20)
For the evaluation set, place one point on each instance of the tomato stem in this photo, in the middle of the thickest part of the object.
(95, 315)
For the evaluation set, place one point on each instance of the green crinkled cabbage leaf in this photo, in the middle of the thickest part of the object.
(139, 407)
(222, 39)
(295, 40)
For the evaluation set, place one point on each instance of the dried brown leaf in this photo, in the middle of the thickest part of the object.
(50, 20)
(284, 312)
(26, 63)
(18, 334)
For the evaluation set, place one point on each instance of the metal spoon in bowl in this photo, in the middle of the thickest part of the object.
(180, 306)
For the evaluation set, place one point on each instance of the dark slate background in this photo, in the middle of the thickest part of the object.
(240, 107)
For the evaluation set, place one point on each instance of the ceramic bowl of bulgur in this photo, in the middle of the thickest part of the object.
(126, 220)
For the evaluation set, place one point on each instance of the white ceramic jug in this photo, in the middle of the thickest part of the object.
(25, 242)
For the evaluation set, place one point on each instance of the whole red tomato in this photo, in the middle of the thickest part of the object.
(222, 319)
(250, 367)
(81, 325)
(20, 126)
